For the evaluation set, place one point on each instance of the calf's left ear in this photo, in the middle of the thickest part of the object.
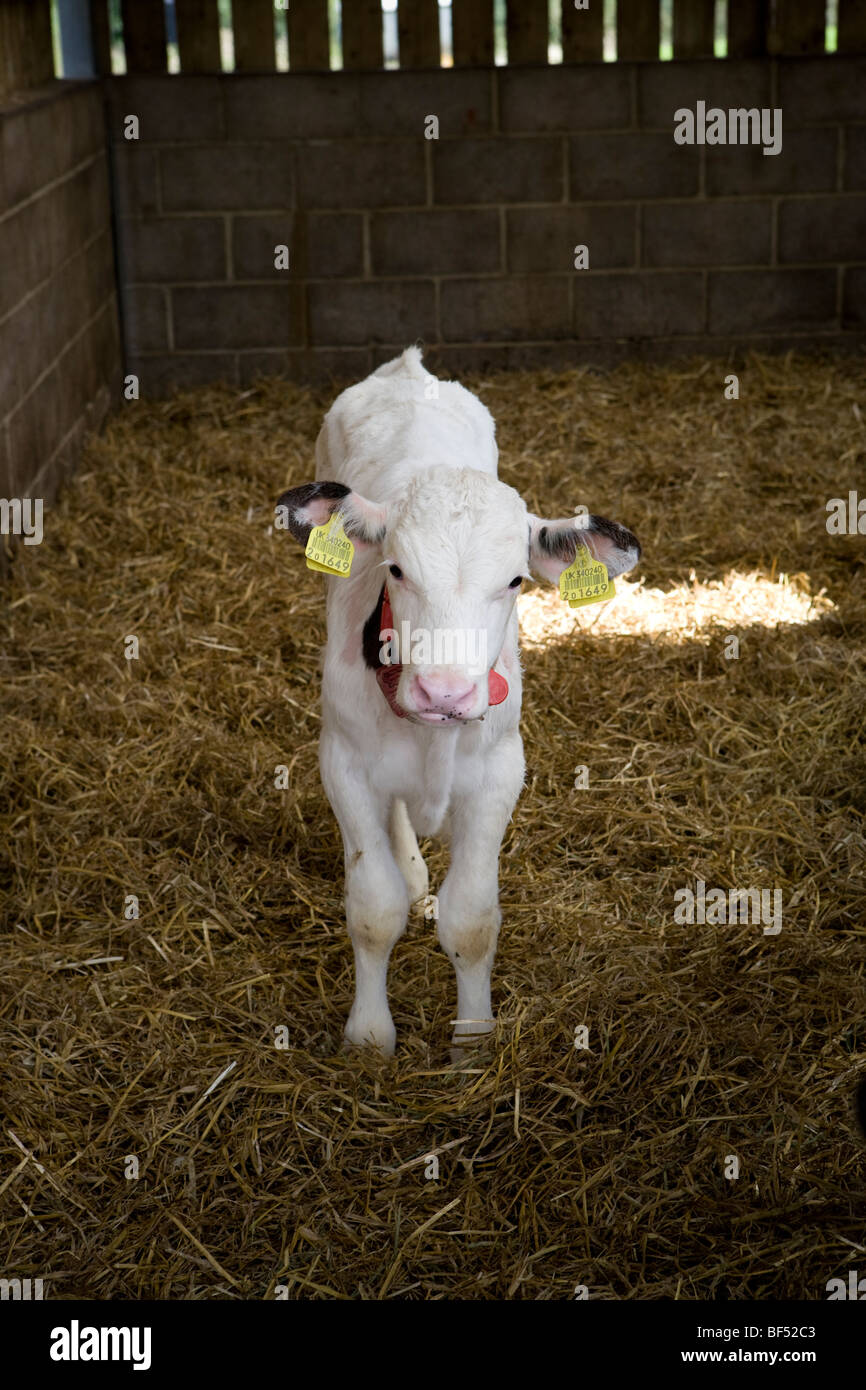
(313, 504)
(553, 544)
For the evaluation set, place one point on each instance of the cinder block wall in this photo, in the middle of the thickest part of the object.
(467, 241)
(60, 353)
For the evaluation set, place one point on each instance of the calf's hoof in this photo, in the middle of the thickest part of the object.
(378, 1033)
(468, 1034)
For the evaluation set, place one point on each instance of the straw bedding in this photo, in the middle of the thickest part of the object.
(303, 1170)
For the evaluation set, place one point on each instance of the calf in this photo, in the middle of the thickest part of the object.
(428, 743)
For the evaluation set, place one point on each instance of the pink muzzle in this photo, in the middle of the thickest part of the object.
(388, 677)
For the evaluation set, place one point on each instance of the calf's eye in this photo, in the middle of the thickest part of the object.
(516, 582)
(395, 571)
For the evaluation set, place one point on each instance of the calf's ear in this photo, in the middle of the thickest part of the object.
(301, 508)
(553, 544)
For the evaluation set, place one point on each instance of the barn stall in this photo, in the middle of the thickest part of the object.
(179, 1119)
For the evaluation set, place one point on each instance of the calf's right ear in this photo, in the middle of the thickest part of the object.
(553, 544)
(301, 508)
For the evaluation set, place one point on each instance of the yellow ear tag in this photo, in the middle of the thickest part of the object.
(585, 581)
(329, 549)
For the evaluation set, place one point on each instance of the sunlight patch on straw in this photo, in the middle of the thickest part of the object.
(689, 611)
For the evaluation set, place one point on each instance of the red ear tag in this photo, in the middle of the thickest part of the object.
(497, 687)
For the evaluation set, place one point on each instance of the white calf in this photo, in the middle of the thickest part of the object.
(431, 742)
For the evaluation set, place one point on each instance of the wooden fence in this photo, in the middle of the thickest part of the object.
(754, 28)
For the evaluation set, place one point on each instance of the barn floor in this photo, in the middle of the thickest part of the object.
(153, 1039)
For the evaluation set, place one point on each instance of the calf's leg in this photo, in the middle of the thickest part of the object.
(406, 852)
(377, 899)
(469, 915)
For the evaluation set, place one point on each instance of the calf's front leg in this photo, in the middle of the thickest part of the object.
(469, 915)
(377, 899)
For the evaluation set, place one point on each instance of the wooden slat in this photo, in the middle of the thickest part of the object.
(100, 37)
(144, 35)
(198, 35)
(362, 34)
(851, 37)
(582, 33)
(472, 33)
(797, 26)
(309, 42)
(253, 26)
(418, 28)
(747, 28)
(694, 28)
(26, 55)
(527, 29)
(637, 30)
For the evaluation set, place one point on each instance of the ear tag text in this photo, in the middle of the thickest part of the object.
(585, 581)
(329, 549)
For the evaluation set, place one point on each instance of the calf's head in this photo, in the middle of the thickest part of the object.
(454, 549)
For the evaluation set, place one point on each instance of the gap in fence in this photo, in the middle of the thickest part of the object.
(258, 35)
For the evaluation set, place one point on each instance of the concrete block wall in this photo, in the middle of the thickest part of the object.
(466, 241)
(60, 354)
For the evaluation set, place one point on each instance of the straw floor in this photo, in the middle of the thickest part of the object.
(148, 1045)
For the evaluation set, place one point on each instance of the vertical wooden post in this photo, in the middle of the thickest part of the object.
(582, 33)
(362, 34)
(637, 30)
(418, 28)
(797, 27)
(253, 25)
(472, 33)
(26, 54)
(747, 28)
(100, 35)
(694, 28)
(198, 35)
(851, 37)
(527, 31)
(144, 35)
(309, 40)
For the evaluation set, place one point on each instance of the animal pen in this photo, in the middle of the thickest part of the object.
(213, 217)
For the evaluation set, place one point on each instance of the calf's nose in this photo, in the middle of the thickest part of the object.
(443, 693)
